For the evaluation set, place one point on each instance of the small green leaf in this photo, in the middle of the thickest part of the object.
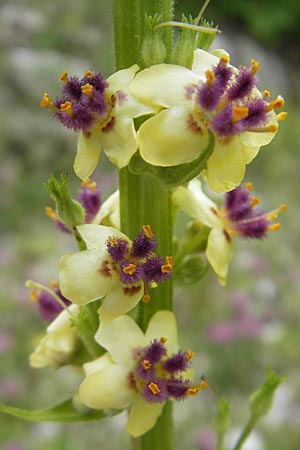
(173, 176)
(63, 412)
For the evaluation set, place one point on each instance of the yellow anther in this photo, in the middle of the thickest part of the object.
(210, 76)
(64, 76)
(254, 201)
(224, 60)
(33, 295)
(50, 213)
(54, 284)
(275, 104)
(146, 298)
(154, 388)
(163, 340)
(66, 107)
(45, 100)
(89, 184)
(255, 66)
(130, 269)
(249, 186)
(87, 89)
(203, 385)
(189, 355)
(192, 391)
(112, 240)
(281, 116)
(266, 93)
(145, 363)
(147, 230)
(283, 207)
(166, 268)
(88, 74)
(238, 113)
(273, 227)
(272, 128)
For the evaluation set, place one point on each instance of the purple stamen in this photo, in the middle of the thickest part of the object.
(242, 85)
(117, 248)
(129, 275)
(49, 308)
(90, 198)
(178, 362)
(153, 270)
(142, 246)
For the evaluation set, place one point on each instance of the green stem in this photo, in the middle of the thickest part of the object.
(143, 201)
(246, 432)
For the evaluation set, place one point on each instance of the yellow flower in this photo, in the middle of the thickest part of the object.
(213, 96)
(139, 371)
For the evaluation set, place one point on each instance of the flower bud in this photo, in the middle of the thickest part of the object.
(261, 400)
(69, 211)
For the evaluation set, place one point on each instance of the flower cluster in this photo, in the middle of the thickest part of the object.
(239, 216)
(112, 267)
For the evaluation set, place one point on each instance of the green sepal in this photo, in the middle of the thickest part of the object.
(205, 40)
(173, 176)
(63, 412)
(183, 52)
(261, 400)
(87, 324)
(191, 270)
(69, 211)
(153, 48)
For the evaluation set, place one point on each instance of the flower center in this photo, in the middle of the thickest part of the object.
(136, 262)
(158, 377)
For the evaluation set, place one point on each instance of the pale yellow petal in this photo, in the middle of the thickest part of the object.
(203, 61)
(226, 166)
(88, 153)
(120, 299)
(218, 252)
(250, 153)
(122, 78)
(95, 236)
(107, 388)
(142, 416)
(120, 143)
(195, 203)
(167, 139)
(109, 213)
(120, 337)
(64, 319)
(97, 364)
(163, 85)
(81, 278)
(163, 324)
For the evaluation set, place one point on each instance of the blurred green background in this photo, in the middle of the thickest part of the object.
(236, 332)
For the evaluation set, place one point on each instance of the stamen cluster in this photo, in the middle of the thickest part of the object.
(83, 103)
(90, 198)
(137, 262)
(158, 377)
(242, 216)
(230, 102)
